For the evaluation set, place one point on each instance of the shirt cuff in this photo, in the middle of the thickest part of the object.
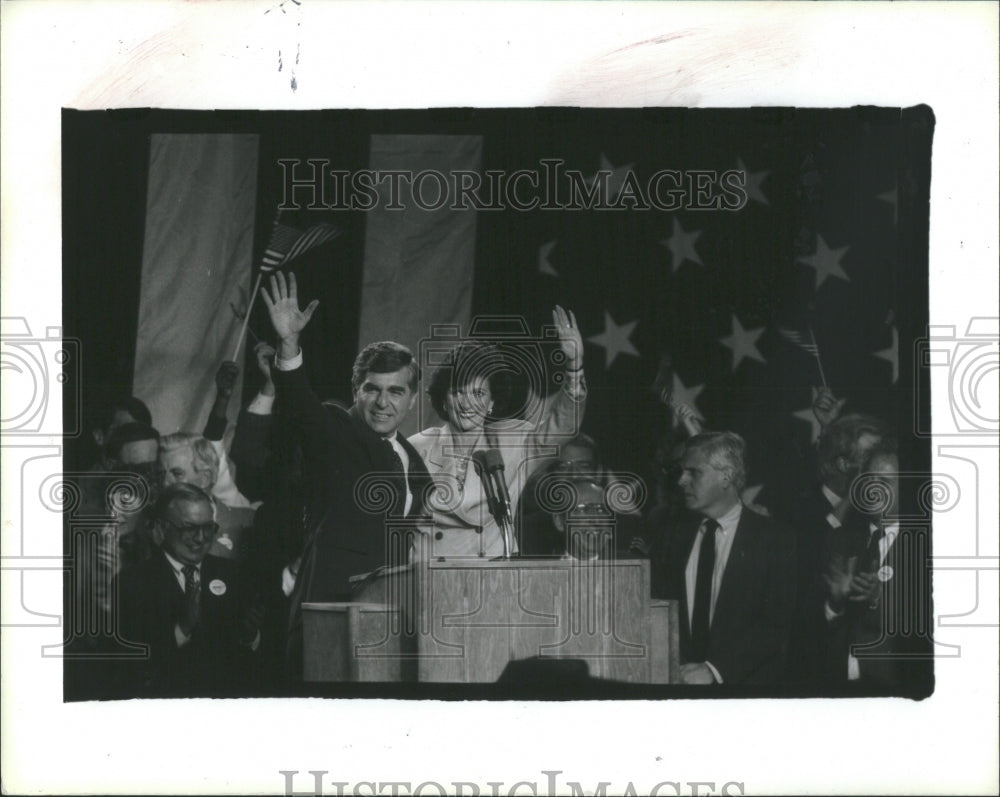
(831, 519)
(715, 672)
(287, 581)
(575, 385)
(829, 613)
(264, 405)
(181, 638)
(288, 365)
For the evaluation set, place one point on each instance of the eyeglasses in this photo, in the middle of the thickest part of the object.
(206, 530)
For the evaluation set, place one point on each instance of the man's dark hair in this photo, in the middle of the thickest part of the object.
(125, 434)
(178, 491)
(384, 357)
(469, 360)
(130, 404)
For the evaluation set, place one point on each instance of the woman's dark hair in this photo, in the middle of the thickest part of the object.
(469, 360)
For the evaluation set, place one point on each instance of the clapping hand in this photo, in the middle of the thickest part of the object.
(569, 337)
(252, 621)
(864, 588)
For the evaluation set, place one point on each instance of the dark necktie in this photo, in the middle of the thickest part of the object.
(399, 477)
(700, 616)
(192, 589)
(873, 553)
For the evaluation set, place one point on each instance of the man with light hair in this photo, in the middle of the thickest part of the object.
(733, 571)
(188, 458)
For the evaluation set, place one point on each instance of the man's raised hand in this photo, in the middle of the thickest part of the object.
(283, 306)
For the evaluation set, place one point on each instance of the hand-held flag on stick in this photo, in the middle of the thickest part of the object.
(286, 244)
(663, 389)
(807, 345)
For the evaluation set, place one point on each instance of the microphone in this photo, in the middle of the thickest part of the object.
(489, 467)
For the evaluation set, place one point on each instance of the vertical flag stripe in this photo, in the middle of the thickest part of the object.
(418, 263)
(196, 260)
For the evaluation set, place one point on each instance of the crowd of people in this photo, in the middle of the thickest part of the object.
(209, 553)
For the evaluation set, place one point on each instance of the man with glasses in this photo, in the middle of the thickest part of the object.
(189, 607)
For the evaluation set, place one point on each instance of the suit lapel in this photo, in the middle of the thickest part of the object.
(737, 571)
(685, 545)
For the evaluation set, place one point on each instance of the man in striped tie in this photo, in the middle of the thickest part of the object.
(193, 610)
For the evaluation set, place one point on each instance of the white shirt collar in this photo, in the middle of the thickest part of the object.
(831, 496)
(729, 521)
(891, 529)
(179, 566)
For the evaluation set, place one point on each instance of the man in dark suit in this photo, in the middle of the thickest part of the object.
(875, 585)
(190, 608)
(343, 451)
(732, 570)
(817, 512)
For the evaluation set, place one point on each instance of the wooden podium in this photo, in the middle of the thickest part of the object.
(465, 620)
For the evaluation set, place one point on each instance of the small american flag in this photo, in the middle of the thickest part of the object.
(287, 243)
(798, 339)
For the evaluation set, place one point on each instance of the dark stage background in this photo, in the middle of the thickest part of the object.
(670, 282)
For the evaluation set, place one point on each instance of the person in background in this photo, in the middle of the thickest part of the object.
(192, 609)
(872, 594)
(121, 411)
(191, 459)
(818, 514)
(544, 522)
(224, 489)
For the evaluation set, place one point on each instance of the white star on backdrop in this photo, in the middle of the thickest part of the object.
(826, 261)
(615, 180)
(615, 339)
(809, 417)
(891, 355)
(892, 198)
(681, 246)
(749, 495)
(544, 266)
(753, 181)
(682, 394)
(743, 343)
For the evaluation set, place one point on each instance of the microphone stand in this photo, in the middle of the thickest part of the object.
(489, 466)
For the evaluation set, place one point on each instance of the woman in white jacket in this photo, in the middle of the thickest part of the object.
(465, 391)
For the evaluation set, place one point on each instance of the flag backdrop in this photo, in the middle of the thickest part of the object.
(196, 259)
(831, 247)
(418, 263)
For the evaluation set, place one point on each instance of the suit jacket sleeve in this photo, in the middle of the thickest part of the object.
(756, 650)
(250, 451)
(318, 427)
(561, 418)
